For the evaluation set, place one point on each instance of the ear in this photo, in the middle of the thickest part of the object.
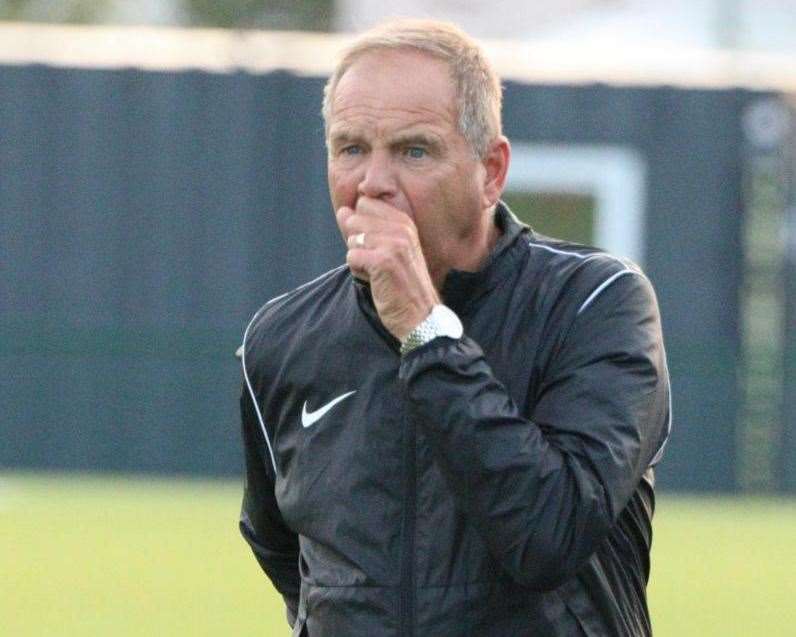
(496, 164)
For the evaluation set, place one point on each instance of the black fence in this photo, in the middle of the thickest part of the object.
(145, 216)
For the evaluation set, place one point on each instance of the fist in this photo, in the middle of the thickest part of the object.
(384, 249)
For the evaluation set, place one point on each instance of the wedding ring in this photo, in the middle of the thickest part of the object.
(359, 240)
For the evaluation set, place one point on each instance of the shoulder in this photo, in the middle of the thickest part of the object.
(582, 272)
(567, 257)
(290, 311)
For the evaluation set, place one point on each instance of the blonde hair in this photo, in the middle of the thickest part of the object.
(478, 90)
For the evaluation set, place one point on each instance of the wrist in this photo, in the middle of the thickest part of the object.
(411, 321)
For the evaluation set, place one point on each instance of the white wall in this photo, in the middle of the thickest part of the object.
(766, 25)
(491, 19)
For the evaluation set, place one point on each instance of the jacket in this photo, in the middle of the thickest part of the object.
(498, 484)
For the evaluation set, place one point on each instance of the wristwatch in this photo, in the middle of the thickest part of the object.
(441, 322)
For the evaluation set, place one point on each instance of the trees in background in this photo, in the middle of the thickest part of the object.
(303, 15)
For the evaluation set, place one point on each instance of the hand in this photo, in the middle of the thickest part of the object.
(389, 256)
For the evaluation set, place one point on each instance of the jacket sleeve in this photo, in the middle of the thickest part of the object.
(274, 545)
(545, 488)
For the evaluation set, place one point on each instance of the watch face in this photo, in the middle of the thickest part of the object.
(448, 324)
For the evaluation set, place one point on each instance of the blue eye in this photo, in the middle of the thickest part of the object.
(416, 152)
(351, 150)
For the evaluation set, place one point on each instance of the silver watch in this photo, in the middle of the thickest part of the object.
(441, 322)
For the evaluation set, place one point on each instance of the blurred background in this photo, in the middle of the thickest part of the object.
(162, 175)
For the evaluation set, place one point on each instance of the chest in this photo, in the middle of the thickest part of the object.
(340, 416)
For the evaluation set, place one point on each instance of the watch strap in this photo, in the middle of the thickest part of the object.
(441, 321)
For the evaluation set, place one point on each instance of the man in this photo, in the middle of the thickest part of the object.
(454, 433)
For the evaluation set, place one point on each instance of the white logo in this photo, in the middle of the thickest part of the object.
(309, 418)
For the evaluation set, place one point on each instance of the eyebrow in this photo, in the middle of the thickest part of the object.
(344, 137)
(420, 139)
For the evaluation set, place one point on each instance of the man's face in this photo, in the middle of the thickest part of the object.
(394, 136)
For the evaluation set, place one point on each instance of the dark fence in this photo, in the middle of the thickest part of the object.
(787, 467)
(144, 217)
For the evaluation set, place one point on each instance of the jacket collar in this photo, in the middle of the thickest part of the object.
(462, 288)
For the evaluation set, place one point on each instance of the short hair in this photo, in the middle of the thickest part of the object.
(478, 90)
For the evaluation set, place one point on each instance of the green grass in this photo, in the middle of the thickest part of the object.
(112, 556)
(91, 556)
(724, 566)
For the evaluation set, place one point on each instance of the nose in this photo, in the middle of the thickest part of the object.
(379, 179)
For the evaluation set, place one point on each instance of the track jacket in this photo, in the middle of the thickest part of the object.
(496, 485)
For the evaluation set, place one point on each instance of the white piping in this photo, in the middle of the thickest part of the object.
(251, 391)
(564, 252)
(242, 350)
(586, 303)
(589, 300)
(577, 255)
(657, 458)
(601, 287)
(303, 285)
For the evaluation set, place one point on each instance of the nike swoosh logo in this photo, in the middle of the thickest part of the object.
(309, 418)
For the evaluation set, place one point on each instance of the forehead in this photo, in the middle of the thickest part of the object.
(383, 85)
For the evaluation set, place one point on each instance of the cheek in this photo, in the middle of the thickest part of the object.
(342, 188)
(464, 193)
(456, 204)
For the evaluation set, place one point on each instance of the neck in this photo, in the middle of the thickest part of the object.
(471, 251)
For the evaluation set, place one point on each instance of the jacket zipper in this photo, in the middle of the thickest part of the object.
(408, 532)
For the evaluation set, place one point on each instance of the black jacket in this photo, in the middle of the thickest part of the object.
(500, 484)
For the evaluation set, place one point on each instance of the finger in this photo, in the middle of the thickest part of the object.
(398, 244)
(358, 261)
(378, 211)
(341, 216)
(367, 260)
(357, 223)
(366, 243)
(352, 223)
(358, 240)
(381, 209)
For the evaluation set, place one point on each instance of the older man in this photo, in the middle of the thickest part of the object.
(454, 433)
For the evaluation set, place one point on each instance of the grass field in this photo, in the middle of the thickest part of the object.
(111, 556)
